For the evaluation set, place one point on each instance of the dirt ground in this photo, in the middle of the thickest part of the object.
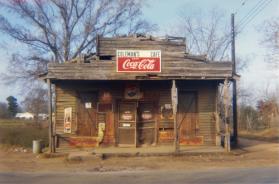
(251, 153)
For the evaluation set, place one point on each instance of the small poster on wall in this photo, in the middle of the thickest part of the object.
(88, 105)
(68, 120)
(132, 91)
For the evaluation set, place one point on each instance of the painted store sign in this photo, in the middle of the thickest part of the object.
(138, 61)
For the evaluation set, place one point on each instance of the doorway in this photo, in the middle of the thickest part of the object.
(146, 124)
(136, 123)
(187, 117)
(86, 115)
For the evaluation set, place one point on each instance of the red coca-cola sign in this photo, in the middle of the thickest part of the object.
(138, 60)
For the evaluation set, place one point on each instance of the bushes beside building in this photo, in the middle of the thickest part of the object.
(21, 133)
(263, 116)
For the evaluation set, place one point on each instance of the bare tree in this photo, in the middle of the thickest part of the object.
(59, 30)
(270, 29)
(36, 101)
(4, 110)
(206, 34)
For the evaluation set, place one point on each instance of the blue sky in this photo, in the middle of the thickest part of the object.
(257, 76)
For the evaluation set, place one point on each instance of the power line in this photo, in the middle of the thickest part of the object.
(258, 4)
(242, 4)
(251, 18)
(247, 18)
(256, 10)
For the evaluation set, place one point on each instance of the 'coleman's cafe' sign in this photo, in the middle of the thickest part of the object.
(133, 92)
(138, 60)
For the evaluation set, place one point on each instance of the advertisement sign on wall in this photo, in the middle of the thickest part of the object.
(68, 120)
(138, 61)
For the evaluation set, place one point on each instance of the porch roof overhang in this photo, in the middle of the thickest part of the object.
(106, 70)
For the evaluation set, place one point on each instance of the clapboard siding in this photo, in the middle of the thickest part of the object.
(107, 71)
(206, 107)
(64, 98)
(175, 63)
(108, 46)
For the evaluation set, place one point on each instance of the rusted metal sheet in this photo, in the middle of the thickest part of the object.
(83, 141)
(197, 140)
(109, 138)
(166, 136)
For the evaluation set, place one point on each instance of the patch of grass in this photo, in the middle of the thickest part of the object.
(21, 133)
(270, 134)
(15, 122)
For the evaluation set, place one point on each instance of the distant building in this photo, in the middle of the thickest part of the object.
(25, 115)
(42, 116)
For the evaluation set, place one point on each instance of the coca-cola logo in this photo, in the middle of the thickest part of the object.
(145, 64)
(138, 60)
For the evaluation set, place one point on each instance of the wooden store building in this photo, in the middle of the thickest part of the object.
(134, 91)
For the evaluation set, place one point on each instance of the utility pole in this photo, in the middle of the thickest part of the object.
(234, 98)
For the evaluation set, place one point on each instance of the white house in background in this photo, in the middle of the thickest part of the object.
(25, 115)
(42, 116)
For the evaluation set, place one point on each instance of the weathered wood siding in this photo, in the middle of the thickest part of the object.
(157, 92)
(65, 97)
(170, 49)
(106, 70)
(166, 127)
(175, 63)
(206, 108)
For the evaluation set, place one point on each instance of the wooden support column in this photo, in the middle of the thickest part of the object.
(217, 118)
(50, 124)
(53, 110)
(174, 99)
(227, 116)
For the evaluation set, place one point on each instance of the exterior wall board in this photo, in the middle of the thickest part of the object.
(156, 91)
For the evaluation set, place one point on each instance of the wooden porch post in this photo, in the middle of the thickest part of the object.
(217, 117)
(174, 99)
(50, 124)
(227, 116)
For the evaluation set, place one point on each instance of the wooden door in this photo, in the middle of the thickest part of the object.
(127, 117)
(146, 123)
(87, 114)
(187, 117)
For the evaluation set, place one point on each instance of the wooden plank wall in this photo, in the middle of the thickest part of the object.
(206, 108)
(173, 49)
(64, 98)
(106, 70)
(175, 63)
